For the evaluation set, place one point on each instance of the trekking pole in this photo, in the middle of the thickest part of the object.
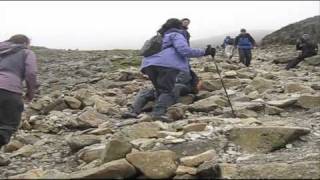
(225, 90)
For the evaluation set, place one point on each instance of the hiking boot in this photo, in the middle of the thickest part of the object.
(4, 161)
(128, 115)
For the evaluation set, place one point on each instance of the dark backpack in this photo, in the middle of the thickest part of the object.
(152, 46)
(230, 41)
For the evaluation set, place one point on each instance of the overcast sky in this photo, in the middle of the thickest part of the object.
(126, 25)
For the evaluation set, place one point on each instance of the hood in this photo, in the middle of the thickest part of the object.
(7, 48)
(181, 31)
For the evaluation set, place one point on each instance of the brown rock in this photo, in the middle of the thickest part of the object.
(194, 127)
(264, 139)
(154, 165)
(196, 160)
(118, 169)
(116, 149)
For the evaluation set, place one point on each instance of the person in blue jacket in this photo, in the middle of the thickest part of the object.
(162, 68)
(244, 42)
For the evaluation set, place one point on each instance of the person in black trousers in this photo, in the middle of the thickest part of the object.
(307, 47)
(244, 42)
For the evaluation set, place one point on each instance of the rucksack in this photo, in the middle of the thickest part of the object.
(230, 41)
(244, 42)
(152, 46)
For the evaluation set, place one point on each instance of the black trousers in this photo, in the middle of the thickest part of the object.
(11, 107)
(163, 80)
(294, 62)
(245, 56)
(143, 97)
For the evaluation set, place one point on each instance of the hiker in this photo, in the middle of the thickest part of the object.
(163, 67)
(17, 63)
(244, 42)
(186, 83)
(307, 47)
(185, 26)
(228, 46)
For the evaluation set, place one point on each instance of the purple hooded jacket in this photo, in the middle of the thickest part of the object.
(175, 54)
(16, 66)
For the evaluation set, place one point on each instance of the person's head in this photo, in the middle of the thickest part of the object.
(185, 22)
(305, 36)
(243, 31)
(227, 37)
(19, 39)
(170, 23)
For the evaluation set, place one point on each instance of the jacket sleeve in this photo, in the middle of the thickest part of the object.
(236, 41)
(298, 46)
(31, 74)
(251, 39)
(181, 45)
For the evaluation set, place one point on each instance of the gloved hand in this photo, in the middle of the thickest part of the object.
(210, 51)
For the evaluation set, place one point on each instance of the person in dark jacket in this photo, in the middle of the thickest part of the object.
(244, 42)
(307, 47)
(186, 83)
(228, 43)
(17, 63)
(185, 26)
(162, 68)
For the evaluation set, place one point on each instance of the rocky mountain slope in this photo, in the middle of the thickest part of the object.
(290, 33)
(73, 128)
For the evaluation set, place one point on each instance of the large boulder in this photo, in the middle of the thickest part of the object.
(116, 149)
(105, 107)
(91, 153)
(283, 103)
(272, 170)
(141, 130)
(154, 165)
(264, 139)
(118, 169)
(80, 141)
(194, 127)
(89, 119)
(309, 101)
(314, 60)
(298, 88)
(209, 104)
(193, 161)
(72, 102)
(261, 84)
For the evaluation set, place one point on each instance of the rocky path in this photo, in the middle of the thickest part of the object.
(73, 129)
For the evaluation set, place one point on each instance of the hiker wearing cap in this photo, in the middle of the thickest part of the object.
(186, 83)
(244, 42)
(163, 67)
(307, 47)
(185, 26)
(228, 46)
(17, 63)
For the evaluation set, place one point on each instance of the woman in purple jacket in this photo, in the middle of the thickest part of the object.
(163, 67)
(17, 63)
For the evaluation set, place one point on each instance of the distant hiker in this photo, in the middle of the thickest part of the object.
(185, 26)
(307, 47)
(186, 83)
(228, 43)
(244, 42)
(162, 68)
(17, 63)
